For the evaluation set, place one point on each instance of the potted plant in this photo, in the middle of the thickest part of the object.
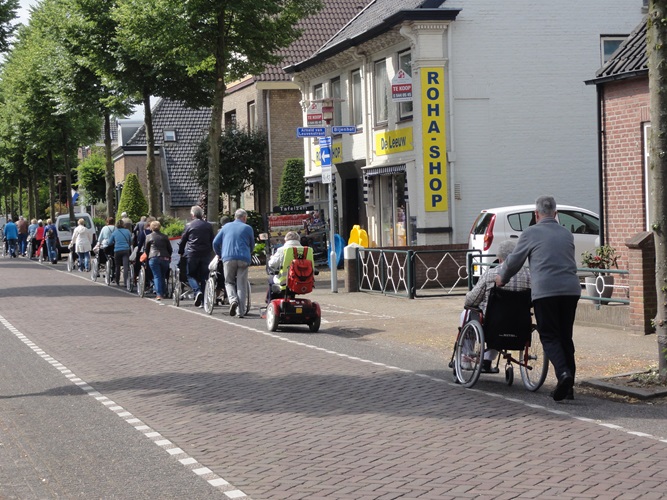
(602, 284)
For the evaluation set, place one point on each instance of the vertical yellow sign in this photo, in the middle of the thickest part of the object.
(434, 139)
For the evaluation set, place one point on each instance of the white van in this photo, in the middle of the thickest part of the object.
(64, 229)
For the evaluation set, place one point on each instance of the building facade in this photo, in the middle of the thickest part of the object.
(499, 112)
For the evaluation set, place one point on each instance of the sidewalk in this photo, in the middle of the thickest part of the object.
(430, 324)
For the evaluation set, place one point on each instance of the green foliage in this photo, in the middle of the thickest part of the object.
(259, 249)
(603, 258)
(243, 161)
(292, 184)
(172, 227)
(132, 200)
(99, 223)
(8, 10)
(255, 220)
(91, 172)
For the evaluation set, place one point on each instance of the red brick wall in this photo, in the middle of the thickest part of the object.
(626, 106)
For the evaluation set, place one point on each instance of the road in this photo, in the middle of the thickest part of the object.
(106, 395)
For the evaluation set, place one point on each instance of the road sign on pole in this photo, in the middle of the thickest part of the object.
(325, 159)
(302, 132)
(344, 129)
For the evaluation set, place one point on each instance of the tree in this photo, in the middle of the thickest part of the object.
(91, 173)
(8, 10)
(243, 164)
(292, 186)
(132, 200)
(217, 41)
(657, 67)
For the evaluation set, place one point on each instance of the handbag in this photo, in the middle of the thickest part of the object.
(213, 265)
(133, 255)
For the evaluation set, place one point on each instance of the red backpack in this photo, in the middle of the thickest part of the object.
(300, 276)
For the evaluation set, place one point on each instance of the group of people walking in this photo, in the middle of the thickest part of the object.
(21, 239)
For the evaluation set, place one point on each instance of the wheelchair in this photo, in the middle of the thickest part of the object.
(178, 281)
(145, 279)
(102, 264)
(210, 294)
(506, 326)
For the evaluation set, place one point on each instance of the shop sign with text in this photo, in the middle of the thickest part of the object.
(434, 139)
(393, 141)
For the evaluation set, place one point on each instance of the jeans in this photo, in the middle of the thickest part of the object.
(84, 261)
(160, 268)
(12, 247)
(23, 241)
(236, 283)
(122, 258)
(555, 320)
(197, 272)
(52, 250)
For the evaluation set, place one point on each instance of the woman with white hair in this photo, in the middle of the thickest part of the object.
(479, 295)
(82, 243)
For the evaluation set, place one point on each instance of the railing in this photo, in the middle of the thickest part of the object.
(602, 289)
(413, 273)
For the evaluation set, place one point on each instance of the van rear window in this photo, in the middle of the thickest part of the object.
(481, 223)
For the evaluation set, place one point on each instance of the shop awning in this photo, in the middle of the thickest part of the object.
(384, 170)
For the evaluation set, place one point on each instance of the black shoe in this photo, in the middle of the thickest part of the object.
(199, 298)
(488, 368)
(232, 308)
(565, 385)
(569, 396)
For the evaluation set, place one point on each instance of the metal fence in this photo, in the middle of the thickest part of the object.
(413, 273)
(437, 273)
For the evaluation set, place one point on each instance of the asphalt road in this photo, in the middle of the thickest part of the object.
(105, 395)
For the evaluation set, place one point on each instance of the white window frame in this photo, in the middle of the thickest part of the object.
(169, 135)
(356, 99)
(646, 131)
(380, 92)
(252, 115)
(405, 109)
(604, 40)
(335, 87)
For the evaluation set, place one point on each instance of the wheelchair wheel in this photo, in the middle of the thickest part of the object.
(272, 316)
(28, 249)
(70, 261)
(314, 325)
(248, 301)
(130, 278)
(509, 374)
(170, 284)
(177, 288)
(94, 268)
(40, 258)
(209, 295)
(141, 283)
(469, 353)
(534, 356)
(108, 272)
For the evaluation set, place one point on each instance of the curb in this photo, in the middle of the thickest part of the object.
(607, 384)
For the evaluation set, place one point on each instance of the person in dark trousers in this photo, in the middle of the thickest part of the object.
(549, 248)
(196, 246)
(158, 248)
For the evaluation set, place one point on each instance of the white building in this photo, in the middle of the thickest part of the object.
(499, 114)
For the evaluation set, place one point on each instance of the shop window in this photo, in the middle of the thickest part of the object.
(393, 210)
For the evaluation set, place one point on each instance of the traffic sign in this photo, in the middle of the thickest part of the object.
(310, 132)
(344, 130)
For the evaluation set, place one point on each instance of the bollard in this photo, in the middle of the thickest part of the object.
(350, 256)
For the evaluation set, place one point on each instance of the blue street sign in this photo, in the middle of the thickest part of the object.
(325, 156)
(325, 141)
(344, 130)
(310, 132)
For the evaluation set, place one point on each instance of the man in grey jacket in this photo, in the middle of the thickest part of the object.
(549, 248)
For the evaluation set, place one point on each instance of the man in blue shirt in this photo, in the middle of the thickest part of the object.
(12, 236)
(234, 244)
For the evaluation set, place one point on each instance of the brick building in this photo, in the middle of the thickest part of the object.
(624, 121)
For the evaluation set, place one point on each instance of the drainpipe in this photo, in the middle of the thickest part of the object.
(600, 111)
(451, 156)
(267, 104)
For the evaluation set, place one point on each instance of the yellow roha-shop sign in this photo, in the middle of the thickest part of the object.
(336, 153)
(393, 141)
(434, 139)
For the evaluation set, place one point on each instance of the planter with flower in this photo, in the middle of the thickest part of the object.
(602, 284)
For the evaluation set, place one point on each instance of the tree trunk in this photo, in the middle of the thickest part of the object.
(31, 200)
(215, 129)
(52, 185)
(153, 203)
(657, 63)
(35, 187)
(20, 182)
(109, 174)
(68, 180)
